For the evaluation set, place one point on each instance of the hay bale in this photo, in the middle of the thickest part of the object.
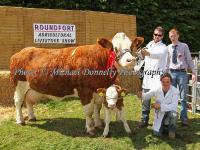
(129, 80)
(6, 89)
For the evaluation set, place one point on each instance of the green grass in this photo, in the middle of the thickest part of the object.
(61, 125)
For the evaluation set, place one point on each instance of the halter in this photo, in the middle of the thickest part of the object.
(122, 52)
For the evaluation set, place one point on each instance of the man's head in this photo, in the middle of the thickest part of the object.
(166, 81)
(174, 35)
(158, 34)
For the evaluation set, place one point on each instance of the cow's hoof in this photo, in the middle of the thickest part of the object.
(105, 136)
(21, 123)
(90, 132)
(32, 120)
(99, 127)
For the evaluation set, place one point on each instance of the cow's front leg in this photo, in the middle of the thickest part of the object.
(107, 122)
(88, 110)
(97, 119)
(122, 116)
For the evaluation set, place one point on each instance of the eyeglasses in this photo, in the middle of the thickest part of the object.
(157, 35)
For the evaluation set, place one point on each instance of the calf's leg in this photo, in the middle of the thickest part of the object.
(122, 116)
(107, 122)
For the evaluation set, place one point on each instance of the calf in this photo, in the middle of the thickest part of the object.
(113, 102)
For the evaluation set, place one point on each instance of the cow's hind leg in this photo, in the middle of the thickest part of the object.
(29, 104)
(19, 96)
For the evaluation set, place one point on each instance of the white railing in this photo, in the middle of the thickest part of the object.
(195, 88)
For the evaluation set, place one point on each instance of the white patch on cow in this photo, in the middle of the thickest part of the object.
(19, 95)
(121, 42)
(111, 96)
(74, 51)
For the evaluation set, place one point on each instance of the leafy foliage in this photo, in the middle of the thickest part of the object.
(181, 14)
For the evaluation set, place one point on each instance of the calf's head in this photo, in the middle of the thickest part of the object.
(112, 94)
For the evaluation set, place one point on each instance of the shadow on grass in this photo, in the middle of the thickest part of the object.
(67, 99)
(141, 138)
(74, 127)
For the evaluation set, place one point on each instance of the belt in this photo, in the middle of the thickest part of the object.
(178, 70)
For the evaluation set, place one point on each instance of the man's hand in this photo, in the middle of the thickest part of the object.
(155, 106)
(194, 78)
(145, 53)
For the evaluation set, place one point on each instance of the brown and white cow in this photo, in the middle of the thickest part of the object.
(113, 103)
(57, 72)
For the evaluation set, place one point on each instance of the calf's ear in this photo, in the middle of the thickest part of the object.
(101, 92)
(105, 43)
(123, 92)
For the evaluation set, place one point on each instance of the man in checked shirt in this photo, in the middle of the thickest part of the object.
(179, 60)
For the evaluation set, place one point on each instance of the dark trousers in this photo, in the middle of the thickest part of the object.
(169, 123)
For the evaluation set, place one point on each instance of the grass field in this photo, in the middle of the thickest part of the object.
(61, 125)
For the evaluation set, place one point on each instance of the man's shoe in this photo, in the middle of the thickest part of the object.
(185, 123)
(172, 135)
(142, 124)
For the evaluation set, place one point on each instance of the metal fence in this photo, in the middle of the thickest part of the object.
(194, 89)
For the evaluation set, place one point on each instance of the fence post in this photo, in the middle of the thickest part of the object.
(194, 88)
(199, 55)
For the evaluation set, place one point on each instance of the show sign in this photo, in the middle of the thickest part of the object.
(54, 33)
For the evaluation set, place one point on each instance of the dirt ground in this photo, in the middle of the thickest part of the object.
(6, 112)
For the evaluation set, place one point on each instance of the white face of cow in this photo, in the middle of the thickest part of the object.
(122, 45)
(111, 96)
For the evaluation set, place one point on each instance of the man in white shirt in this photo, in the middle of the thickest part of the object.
(166, 106)
(155, 65)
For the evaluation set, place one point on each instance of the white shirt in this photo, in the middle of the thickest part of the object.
(155, 65)
(169, 102)
(184, 59)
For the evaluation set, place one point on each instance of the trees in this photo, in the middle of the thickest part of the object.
(182, 14)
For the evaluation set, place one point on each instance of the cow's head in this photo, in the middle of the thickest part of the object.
(112, 94)
(124, 47)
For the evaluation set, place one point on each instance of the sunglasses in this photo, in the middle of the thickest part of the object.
(157, 35)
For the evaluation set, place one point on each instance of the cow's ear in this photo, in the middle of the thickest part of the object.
(136, 43)
(105, 43)
(101, 91)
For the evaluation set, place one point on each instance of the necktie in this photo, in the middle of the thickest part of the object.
(174, 56)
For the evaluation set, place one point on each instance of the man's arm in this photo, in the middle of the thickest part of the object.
(190, 62)
(155, 54)
(172, 106)
(148, 95)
